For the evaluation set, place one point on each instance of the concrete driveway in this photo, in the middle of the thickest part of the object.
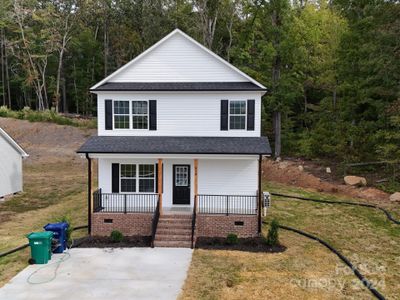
(109, 274)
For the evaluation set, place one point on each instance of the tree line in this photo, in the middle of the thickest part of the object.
(332, 68)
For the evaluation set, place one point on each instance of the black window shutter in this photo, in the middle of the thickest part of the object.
(108, 114)
(250, 114)
(224, 114)
(115, 178)
(153, 114)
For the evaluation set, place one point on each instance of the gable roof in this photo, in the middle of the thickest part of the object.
(13, 143)
(177, 36)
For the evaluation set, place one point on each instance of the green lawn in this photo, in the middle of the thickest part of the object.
(306, 270)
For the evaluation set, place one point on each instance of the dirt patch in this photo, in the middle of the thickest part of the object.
(106, 242)
(46, 142)
(256, 244)
(305, 174)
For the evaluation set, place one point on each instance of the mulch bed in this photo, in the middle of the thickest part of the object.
(256, 244)
(106, 242)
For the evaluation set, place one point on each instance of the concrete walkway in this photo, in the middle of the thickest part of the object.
(105, 274)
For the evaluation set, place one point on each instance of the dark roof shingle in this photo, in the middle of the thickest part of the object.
(176, 145)
(178, 86)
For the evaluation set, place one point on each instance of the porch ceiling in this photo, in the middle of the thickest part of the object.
(176, 145)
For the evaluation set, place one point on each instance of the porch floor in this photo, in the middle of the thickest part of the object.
(178, 210)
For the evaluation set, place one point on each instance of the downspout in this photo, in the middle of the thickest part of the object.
(259, 193)
(89, 193)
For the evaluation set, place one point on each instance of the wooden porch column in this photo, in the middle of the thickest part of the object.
(160, 182)
(195, 182)
(90, 194)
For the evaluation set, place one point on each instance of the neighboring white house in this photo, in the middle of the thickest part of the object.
(11, 155)
(179, 132)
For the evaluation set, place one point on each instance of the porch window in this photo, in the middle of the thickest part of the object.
(121, 114)
(146, 178)
(128, 178)
(237, 114)
(137, 178)
(140, 114)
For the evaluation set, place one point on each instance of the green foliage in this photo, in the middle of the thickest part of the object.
(232, 239)
(45, 116)
(273, 234)
(116, 236)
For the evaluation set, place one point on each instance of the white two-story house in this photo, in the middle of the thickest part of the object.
(179, 147)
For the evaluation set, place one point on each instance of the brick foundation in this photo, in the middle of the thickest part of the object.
(129, 224)
(221, 225)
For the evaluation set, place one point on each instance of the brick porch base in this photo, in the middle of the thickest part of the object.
(221, 225)
(129, 224)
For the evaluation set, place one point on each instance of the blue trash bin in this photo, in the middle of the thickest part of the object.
(59, 233)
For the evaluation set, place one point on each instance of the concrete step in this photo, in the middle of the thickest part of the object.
(173, 244)
(180, 221)
(177, 216)
(170, 237)
(174, 231)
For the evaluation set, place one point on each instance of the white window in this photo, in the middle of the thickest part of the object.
(121, 114)
(237, 114)
(137, 178)
(140, 114)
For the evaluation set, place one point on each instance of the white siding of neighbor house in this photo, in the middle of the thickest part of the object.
(10, 169)
(182, 113)
(177, 59)
(216, 176)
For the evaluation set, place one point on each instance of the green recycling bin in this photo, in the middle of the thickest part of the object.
(40, 243)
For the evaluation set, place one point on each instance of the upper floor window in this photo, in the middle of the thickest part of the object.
(140, 115)
(135, 116)
(121, 114)
(237, 114)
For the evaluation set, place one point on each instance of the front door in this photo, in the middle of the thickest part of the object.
(181, 190)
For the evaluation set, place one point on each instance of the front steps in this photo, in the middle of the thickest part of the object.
(174, 230)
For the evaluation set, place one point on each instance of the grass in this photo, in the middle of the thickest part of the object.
(51, 192)
(46, 116)
(306, 270)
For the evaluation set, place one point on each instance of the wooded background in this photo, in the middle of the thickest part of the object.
(332, 67)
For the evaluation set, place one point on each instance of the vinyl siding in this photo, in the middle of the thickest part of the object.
(183, 113)
(215, 176)
(175, 60)
(10, 169)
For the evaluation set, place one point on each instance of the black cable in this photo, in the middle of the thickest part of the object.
(388, 215)
(364, 280)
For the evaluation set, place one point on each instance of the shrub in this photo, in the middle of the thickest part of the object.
(273, 236)
(116, 236)
(232, 239)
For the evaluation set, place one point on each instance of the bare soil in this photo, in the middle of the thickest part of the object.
(307, 174)
(46, 142)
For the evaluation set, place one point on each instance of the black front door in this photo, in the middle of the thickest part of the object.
(181, 190)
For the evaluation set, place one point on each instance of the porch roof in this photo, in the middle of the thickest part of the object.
(176, 145)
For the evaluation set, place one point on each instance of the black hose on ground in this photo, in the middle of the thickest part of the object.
(364, 280)
(27, 245)
(388, 215)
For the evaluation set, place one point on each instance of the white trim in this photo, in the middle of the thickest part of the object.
(13, 143)
(237, 115)
(171, 156)
(176, 31)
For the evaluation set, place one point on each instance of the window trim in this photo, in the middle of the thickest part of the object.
(239, 115)
(139, 115)
(128, 114)
(137, 179)
(131, 115)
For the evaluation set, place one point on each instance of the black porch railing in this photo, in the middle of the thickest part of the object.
(154, 223)
(227, 204)
(124, 203)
